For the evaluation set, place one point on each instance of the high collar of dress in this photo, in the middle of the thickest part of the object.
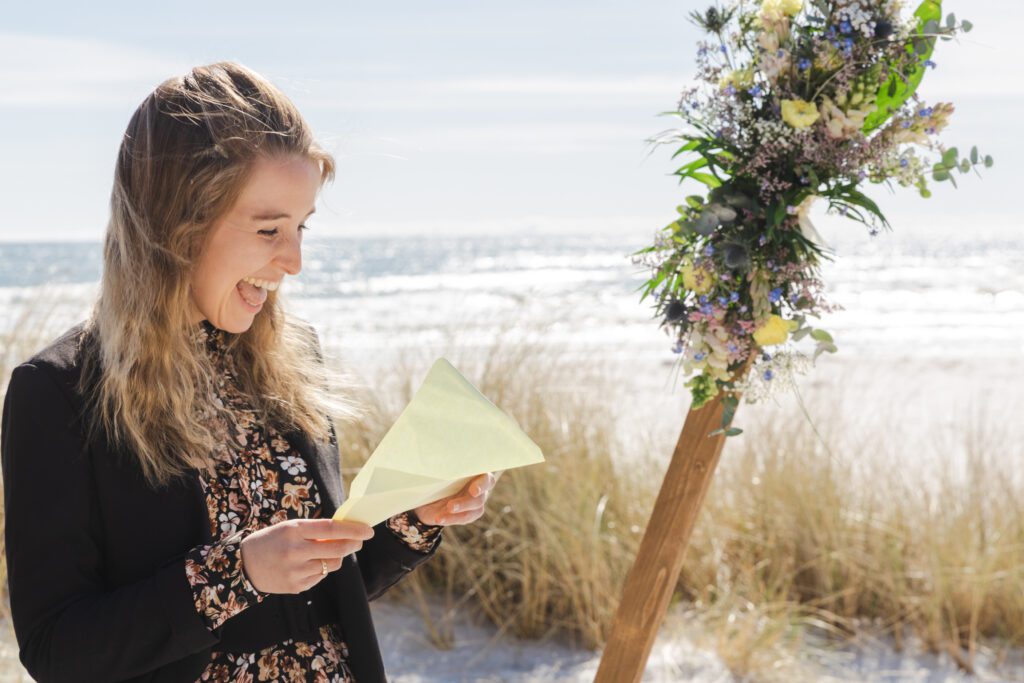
(211, 335)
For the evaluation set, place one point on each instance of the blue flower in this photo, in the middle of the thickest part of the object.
(766, 356)
(734, 296)
(756, 90)
(845, 26)
(780, 52)
(848, 44)
(699, 355)
(678, 348)
(731, 347)
(721, 301)
(862, 174)
(904, 163)
(803, 64)
(709, 250)
(706, 309)
(930, 63)
(906, 124)
(761, 240)
(774, 295)
(703, 299)
(768, 374)
(724, 49)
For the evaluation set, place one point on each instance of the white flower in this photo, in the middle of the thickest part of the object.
(806, 227)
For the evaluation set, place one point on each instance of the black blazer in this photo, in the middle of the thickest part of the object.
(95, 556)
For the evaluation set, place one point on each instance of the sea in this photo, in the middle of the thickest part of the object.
(948, 298)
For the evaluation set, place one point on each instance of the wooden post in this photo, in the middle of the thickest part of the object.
(652, 579)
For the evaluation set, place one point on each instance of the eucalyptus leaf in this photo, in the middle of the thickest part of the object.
(949, 158)
(940, 175)
(974, 154)
(733, 431)
(966, 25)
(988, 161)
(965, 166)
(951, 20)
(821, 335)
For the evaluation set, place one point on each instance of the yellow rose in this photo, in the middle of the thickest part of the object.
(698, 280)
(775, 330)
(741, 79)
(799, 114)
(772, 9)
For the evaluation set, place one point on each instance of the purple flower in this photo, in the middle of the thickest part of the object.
(743, 308)
(862, 174)
(761, 240)
(709, 250)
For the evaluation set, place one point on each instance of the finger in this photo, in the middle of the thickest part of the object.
(461, 518)
(463, 505)
(325, 549)
(333, 529)
(485, 483)
(313, 569)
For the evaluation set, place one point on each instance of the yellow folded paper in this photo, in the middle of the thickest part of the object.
(447, 435)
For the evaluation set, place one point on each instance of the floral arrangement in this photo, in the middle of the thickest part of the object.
(796, 101)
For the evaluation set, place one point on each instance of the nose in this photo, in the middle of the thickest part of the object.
(289, 256)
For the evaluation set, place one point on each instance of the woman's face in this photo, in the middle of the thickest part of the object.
(259, 238)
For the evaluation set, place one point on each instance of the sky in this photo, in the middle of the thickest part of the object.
(448, 117)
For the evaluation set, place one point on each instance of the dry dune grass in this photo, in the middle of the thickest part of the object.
(792, 537)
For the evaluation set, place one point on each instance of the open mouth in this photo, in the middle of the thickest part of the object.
(252, 295)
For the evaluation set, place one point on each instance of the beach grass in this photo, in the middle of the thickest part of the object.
(803, 530)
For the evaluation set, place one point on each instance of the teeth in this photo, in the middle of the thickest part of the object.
(265, 284)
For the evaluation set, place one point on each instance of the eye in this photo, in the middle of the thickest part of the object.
(273, 232)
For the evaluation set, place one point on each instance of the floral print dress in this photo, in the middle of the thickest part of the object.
(261, 480)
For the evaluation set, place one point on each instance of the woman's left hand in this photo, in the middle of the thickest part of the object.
(464, 507)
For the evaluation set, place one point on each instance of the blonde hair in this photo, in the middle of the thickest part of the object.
(187, 152)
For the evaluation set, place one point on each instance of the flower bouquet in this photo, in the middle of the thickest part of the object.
(795, 102)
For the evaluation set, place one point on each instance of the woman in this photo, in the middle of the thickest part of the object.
(170, 464)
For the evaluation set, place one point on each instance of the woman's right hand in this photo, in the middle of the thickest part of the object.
(285, 557)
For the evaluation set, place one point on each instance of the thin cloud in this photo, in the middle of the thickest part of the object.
(57, 71)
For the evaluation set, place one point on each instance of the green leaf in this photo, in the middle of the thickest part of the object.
(939, 175)
(974, 154)
(988, 161)
(949, 157)
(965, 166)
(695, 201)
(966, 25)
(899, 87)
(716, 432)
(733, 431)
(707, 179)
(822, 336)
(951, 20)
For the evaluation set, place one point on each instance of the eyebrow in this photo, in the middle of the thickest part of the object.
(275, 215)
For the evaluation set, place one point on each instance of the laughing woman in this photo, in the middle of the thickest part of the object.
(170, 464)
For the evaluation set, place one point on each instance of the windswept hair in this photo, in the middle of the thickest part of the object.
(187, 153)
